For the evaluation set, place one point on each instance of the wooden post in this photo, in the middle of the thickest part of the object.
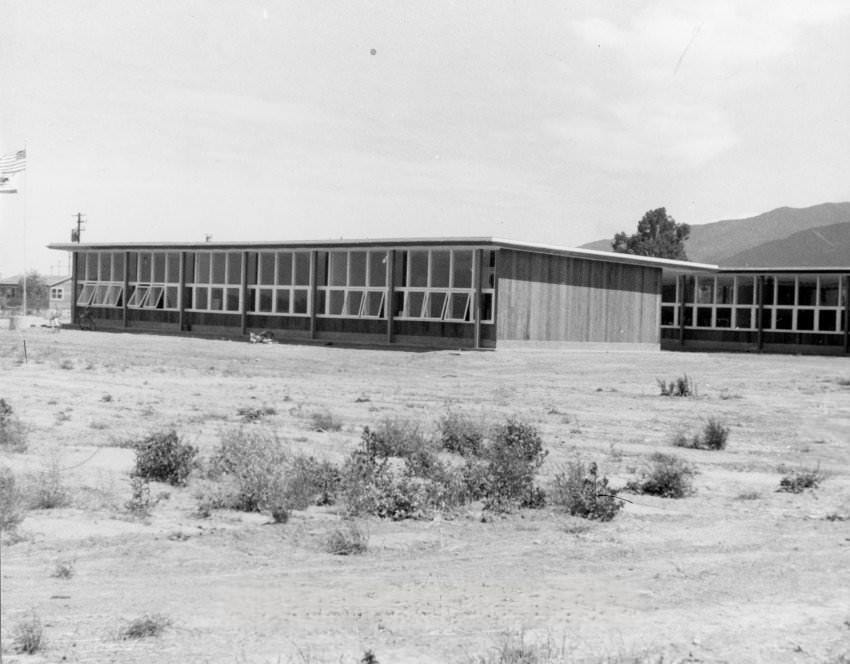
(389, 306)
(75, 259)
(760, 312)
(124, 321)
(475, 305)
(181, 288)
(682, 284)
(243, 296)
(314, 290)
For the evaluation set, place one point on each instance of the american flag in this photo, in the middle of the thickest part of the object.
(10, 164)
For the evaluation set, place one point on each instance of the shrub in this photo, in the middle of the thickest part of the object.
(162, 457)
(141, 503)
(64, 570)
(145, 626)
(682, 386)
(580, 492)
(514, 457)
(667, 476)
(28, 635)
(394, 438)
(713, 437)
(461, 434)
(325, 420)
(800, 480)
(11, 512)
(313, 481)
(350, 539)
(46, 488)
(255, 414)
(12, 433)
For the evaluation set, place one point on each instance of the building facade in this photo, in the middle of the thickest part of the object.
(449, 292)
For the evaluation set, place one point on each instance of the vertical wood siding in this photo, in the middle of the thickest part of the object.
(555, 298)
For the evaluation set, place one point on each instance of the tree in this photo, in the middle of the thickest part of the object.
(38, 294)
(657, 235)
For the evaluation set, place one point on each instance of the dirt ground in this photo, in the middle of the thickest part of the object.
(738, 572)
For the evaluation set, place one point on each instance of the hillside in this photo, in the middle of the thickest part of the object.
(824, 246)
(721, 241)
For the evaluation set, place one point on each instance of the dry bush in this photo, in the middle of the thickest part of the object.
(579, 491)
(145, 626)
(713, 437)
(395, 438)
(161, 456)
(347, 540)
(682, 386)
(513, 457)
(666, 475)
(28, 635)
(13, 436)
(141, 502)
(46, 489)
(461, 434)
(11, 501)
(64, 569)
(325, 420)
(799, 480)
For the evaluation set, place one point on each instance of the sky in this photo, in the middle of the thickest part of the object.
(558, 122)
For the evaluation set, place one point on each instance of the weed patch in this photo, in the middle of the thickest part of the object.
(64, 569)
(11, 510)
(13, 436)
(325, 420)
(141, 502)
(461, 434)
(46, 488)
(347, 540)
(666, 476)
(713, 437)
(145, 626)
(28, 635)
(514, 457)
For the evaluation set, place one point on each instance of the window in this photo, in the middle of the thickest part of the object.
(153, 279)
(352, 284)
(102, 283)
(57, 293)
(217, 281)
(278, 282)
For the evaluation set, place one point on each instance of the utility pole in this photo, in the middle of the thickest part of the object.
(75, 232)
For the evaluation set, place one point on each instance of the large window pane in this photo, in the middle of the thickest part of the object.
(440, 267)
(264, 300)
(339, 268)
(745, 290)
(768, 292)
(232, 301)
(668, 292)
(413, 305)
(336, 300)
(118, 266)
(282, 300)
(355, 299)
(488, 269)
(744, 319)
(374, 304)
(266, 268)
(459, 306)
(784, 319)
(807, 291)
(201, 298)
(172, 264)
(203, 271)
(105, 266)
(299, 301)
(723, 317)
(417, 268)
(158, 261)
(189, 267)
(668, 315)
(828, 292)
(704, 317)
(486, 307)
(234, 268)
(805, 319)
(785, 288)
(462, 270)
(170, 297)
(725, 290)
(284, 268)
(705, 290)
(217, 296)
(154, 300)
(378, 268)
(357, 268)
(302, 269)
(827, 320)
(436, 303)
(219, 272)
(145, 266)
(91, 266)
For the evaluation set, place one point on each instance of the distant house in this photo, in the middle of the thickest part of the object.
(10, 291)
(60, 293)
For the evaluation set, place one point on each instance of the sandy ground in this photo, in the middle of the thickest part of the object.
(736, 573)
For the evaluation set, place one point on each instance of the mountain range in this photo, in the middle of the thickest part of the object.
(817, 236)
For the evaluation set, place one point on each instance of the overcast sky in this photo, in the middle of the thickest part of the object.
(557, 122)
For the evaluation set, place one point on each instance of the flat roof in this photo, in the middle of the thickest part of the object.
(592, 254)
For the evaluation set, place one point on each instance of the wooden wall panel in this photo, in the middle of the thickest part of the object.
(544, 297)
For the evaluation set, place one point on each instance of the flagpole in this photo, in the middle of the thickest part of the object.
(24, 203)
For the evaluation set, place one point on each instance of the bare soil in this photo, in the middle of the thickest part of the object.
(735, 573)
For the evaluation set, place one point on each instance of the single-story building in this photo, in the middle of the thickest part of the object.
(455, 292)
(60, 293)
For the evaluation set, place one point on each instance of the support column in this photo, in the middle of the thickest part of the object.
(124, 321)
(389, 306)
(75, 258)
(682, 285)
(760, 312)
(847, 313)
(243, 295)
(181, 292)
(475, 305)
(314, 262)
